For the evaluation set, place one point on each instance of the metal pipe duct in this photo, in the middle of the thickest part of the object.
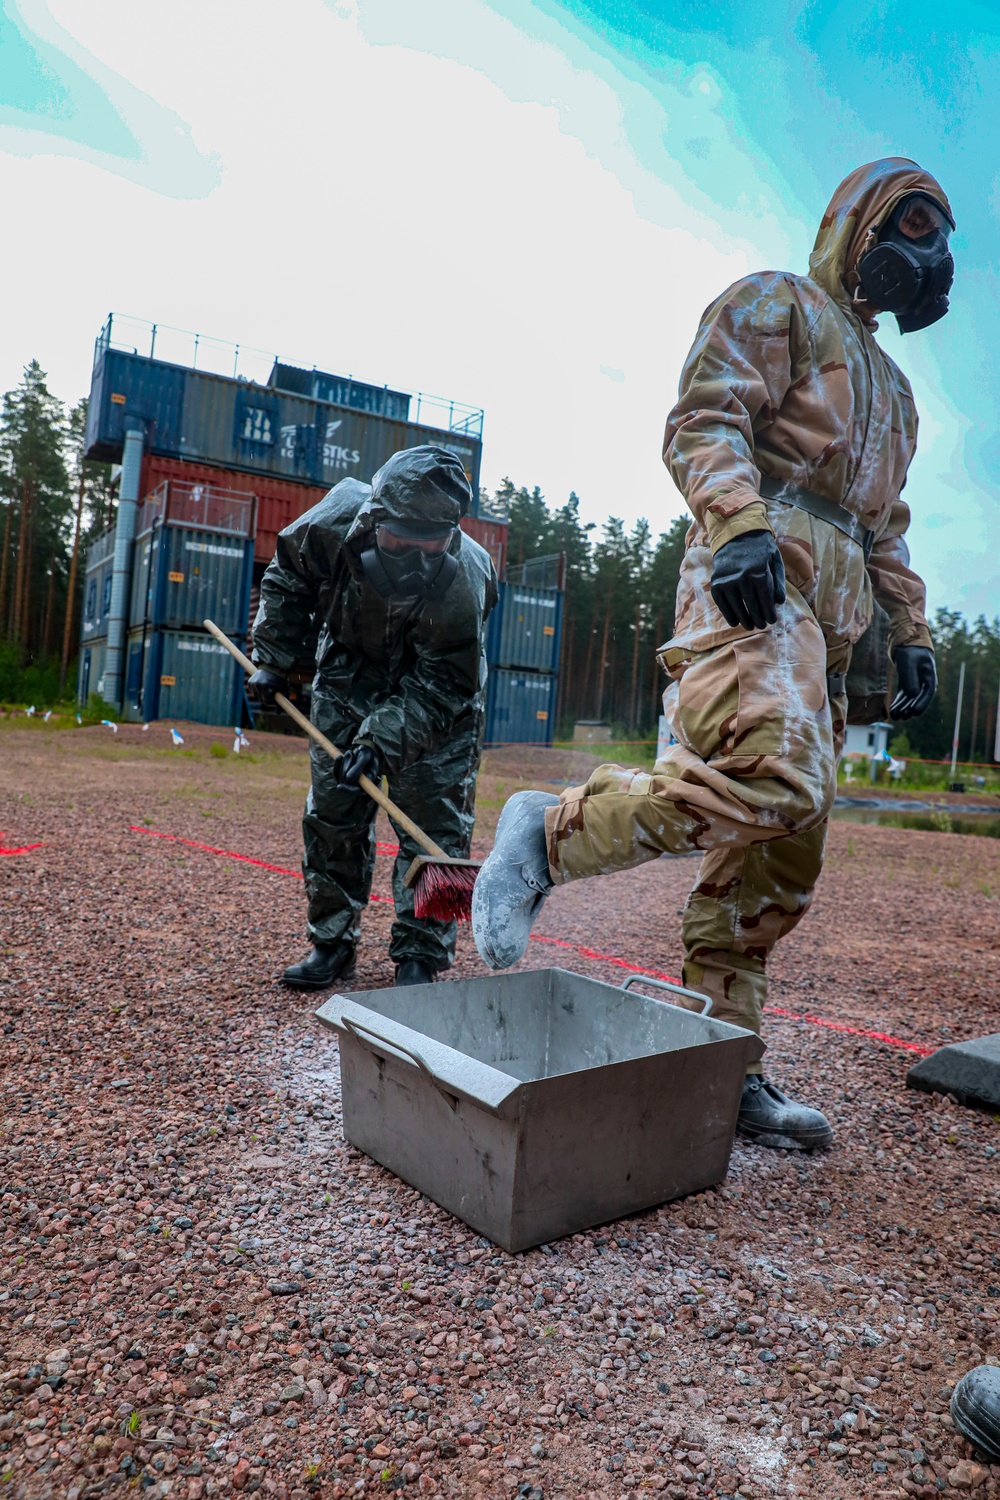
(128, 497)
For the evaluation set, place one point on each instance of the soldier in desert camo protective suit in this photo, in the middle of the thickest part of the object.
(790, 442)
(380, 585)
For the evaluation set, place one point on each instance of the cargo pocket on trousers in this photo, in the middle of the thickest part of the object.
(707, 699)
(760, 708)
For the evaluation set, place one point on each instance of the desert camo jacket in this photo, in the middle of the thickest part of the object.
(786, 379)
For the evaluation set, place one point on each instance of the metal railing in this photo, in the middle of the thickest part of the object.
(178, 346)
(205, 506)
(547, 572)
(101, 548)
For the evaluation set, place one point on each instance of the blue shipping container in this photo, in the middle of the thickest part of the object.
(182, 674)
(90, 677)
(237, 424)
(520, 707)
(524, 628)
(182, 576)
(97, 587)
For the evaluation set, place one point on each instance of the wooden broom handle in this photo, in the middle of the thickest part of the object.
(374, 791)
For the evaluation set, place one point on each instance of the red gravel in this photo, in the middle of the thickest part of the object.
(206, 1292)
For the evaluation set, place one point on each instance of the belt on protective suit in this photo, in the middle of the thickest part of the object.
(821, 508)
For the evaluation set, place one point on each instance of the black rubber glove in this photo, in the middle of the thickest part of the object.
(358, 761)
(265, 684)
(917, 683)
(748, 580)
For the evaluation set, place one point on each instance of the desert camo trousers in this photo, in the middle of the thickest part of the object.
(750, 781)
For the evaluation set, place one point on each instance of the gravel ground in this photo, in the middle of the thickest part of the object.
(206, 1291)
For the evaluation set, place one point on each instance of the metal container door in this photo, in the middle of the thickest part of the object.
(198, 679)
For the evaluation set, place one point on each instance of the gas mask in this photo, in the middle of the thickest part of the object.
(410, 561)
(909, 270)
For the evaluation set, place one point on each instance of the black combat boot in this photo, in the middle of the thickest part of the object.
(413, 971)
(321, 968)
(975, 1410)
(769, 1118)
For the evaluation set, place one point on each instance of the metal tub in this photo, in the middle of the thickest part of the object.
(535, 1105)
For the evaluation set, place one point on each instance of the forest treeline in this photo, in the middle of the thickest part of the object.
(620, 591)
(619, 604)
(620, 587)
(52, 503)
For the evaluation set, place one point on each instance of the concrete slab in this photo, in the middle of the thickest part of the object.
(969, 1070)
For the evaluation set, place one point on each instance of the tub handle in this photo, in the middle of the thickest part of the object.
(675, 989)
(360, 1032)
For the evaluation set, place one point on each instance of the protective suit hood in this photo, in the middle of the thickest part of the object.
(421, 484)
(417, 486)
(857, 210)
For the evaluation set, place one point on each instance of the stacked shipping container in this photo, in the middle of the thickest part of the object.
(192, 560)
(268, 430)
(522, 649)
(96, 606)
(280, 443)
(215, 443)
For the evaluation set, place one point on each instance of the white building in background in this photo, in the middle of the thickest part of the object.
(867, 740)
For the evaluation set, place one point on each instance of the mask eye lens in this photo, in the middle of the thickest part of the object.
(394, 542)
(920, 217)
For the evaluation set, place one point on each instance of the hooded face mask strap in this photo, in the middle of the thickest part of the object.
(375, 572)
(444, 577)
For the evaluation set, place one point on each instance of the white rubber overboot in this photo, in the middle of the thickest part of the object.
(511, 888)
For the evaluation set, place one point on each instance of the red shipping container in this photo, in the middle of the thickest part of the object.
(279, 501)
(489, 534)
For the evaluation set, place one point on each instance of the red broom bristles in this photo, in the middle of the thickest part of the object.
(444, 893)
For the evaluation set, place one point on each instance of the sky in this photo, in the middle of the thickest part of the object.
(520, 204)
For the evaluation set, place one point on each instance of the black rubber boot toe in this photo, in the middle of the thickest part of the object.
(321, 968)
(769, 1118)
(412, 971)
(975, 1409)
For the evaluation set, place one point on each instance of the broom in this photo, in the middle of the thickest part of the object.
(442, 886)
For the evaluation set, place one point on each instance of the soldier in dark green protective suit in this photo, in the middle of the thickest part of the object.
(392, 597)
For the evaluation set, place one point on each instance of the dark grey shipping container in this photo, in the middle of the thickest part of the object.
(181, 577)
(181, 674)
(97, 587)
(238, 424)
(341, 390)
(520, 707)
(524, 628)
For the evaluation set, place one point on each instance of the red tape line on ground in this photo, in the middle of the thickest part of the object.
(592, 953)
(871, 1036)
(773, 1010)
(20, 849)
(245, 859)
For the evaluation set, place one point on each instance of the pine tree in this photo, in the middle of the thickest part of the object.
(91, 482)
(34, 486)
